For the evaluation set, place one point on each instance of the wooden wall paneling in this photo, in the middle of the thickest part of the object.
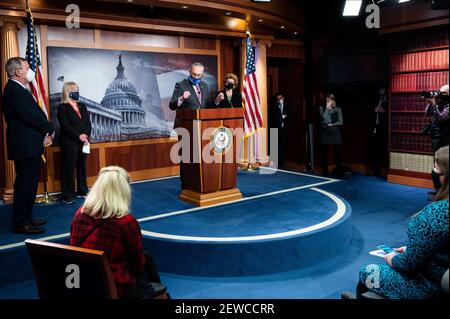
(411, 16)
(410, 181)
(200, 43)
(80, 36)
(92, 164)
(139, 157)
(229, 59)
(145, 40)
(286, 51)
(109, 23)
(287, 76)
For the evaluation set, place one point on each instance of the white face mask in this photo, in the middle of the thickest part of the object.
(30, 75)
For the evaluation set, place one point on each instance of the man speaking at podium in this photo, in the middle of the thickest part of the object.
(191, 93)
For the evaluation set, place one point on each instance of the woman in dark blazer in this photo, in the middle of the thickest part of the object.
(75, 126)
(330, 134)
(229, 97)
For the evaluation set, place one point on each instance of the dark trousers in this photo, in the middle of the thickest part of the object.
(25, 189)
(73, 158)
(436, 144)
(282, 141)
(183, 186)
(337, 159)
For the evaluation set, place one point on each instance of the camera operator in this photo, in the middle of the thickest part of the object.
(438, 128)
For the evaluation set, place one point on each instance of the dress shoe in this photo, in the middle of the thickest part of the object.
(347, 295)
(38, 222)
(29, 230)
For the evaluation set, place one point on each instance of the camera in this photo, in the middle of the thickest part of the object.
(435, 94)
(430, 95)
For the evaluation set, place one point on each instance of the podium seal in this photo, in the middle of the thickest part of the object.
(221, 140)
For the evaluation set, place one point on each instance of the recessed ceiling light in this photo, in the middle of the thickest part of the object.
(295, 32)
(185, 7)
(228, 13)
(352, 8)
(129, 1)
(283, 27)
(260, 20)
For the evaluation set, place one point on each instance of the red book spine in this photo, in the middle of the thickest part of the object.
(435, 60)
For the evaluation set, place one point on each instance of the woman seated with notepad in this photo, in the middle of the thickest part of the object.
(415, 271)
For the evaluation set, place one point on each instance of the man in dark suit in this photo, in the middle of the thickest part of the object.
(28, 130)
(279, 120)
(191, 93)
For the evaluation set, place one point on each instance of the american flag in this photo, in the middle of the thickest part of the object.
(250, 94)
(34, 60)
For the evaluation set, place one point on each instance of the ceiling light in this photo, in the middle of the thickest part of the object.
(352, 8)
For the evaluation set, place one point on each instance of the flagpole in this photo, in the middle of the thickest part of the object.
(250, 167)
(46, 197)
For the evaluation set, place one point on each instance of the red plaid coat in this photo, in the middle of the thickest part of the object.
(120, 239)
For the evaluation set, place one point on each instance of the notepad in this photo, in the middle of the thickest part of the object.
(86, 148)
(378, 253)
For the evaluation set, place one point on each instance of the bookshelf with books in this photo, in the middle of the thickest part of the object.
(419, 61)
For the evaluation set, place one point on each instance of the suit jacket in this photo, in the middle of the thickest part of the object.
(192, 102)
(277, 117)
(71, 125)
(26, 123)
(236, 100)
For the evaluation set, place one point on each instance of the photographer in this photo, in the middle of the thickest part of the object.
(437, 109)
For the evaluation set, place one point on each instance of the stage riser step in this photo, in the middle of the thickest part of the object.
(246, 259)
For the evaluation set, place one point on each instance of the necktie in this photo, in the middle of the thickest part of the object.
(199, 93)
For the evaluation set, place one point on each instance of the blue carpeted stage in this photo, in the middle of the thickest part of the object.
(292, 235)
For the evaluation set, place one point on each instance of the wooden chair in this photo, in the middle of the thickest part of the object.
(55, 267)
(55, 277)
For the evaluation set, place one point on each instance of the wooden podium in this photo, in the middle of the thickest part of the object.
(211, 179)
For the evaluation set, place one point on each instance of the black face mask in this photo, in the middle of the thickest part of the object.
(74, 95)
(229, 86)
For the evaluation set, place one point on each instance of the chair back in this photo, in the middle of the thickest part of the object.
(68, 272)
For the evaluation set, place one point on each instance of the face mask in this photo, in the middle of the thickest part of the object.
(74, 95)
(194, 80)
(229, 86)
(30, 75)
